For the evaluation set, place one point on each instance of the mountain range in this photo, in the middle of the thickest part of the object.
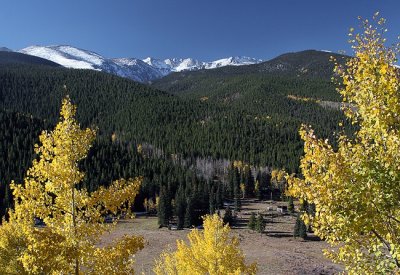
(144, 71)
(250, 113)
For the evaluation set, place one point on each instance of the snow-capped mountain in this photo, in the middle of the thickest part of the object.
(67, 56)
(232, 61)
(158, 64)
(189, 64)
(136, 69)
(140, 70)
(72, 57)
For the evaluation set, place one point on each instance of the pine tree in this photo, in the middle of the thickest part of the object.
(300, 228)
(212, 202)
(252, 221)
(237, 204)
(180, 207)
(311, 213)
(236, 197)
(189, 213)
(74, 217)
(228, 218)
(290, 204)
(249, 182)
(231, 182)
(260, 223)
(164, 207)
(218, 197)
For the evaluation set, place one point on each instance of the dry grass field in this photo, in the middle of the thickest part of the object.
(275, 251)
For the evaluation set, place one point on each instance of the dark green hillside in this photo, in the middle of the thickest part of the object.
(18, 133)
(251, 117)
(273, 93)
(246, 117)
(104, 100)
(309, 63)
(106, 161)
(262, 88)
(302, 65)
(9, 57)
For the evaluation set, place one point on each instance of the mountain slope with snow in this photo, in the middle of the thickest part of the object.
(232, 61)
(67, 56)
(189, 64)
(139, 70)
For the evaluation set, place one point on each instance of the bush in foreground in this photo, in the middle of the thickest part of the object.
(210, 251)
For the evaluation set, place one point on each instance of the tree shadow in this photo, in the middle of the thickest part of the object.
(278, 234)
(313, 238)
(240, 223)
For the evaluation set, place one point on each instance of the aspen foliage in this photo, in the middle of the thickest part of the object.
(211, 251)
(278, 177)
(240, 165)
(355, 188)
(73, 217)
(242, 189)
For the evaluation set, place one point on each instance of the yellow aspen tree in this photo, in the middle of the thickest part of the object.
(355, 187)
(278, 177)
(211, 251)
(73, 218)
(257, 187)
(242, 189)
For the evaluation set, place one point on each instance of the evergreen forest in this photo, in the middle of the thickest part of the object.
(159, 131)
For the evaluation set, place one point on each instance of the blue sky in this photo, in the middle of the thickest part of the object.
(202, 29)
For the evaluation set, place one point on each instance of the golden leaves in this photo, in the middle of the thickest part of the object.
(211, 251)
(73, 217)
(119, 253)
(355, 188)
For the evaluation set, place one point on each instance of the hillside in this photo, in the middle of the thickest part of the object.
(309, 65)
(251, 119)
(18, 134)
(246, 117)
(288, 90)
(293, 88)
(8, 57)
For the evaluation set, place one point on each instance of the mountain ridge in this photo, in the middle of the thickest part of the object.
(5, 49)
(8, 57)
(301, 64)
(145, 70)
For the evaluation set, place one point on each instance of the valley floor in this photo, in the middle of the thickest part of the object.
(275, 251)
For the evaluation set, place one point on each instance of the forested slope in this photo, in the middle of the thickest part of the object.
(253, 117)
(260, 128)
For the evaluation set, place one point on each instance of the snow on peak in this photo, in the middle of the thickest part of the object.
(144, 70)
(232, 61)
(187, 64)
(190, 64)
(67, 56)
(157, 63)
(126, 61)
